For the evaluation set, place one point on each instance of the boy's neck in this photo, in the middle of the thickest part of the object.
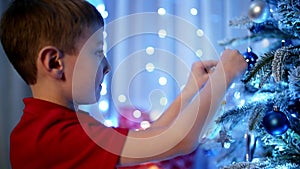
(51, 95)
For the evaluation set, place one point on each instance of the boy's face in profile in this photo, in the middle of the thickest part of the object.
(89, 69)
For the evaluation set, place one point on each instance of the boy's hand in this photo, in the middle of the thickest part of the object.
(233, 64)
(200, 72)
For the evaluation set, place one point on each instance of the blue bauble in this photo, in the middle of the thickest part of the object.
(250, 58)
(275, 123)
(259, 11)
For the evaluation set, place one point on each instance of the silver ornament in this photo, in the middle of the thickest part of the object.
(259, 11)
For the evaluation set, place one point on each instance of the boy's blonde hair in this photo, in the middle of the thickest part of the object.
(29, 25)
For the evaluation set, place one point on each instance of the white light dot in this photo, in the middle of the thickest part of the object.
(104, 34)
(103, 105)
(150, 50)
(161, 11)
(163, 101)
(137, 114)
(101, 7)
(200, 32)
(257, 9)
(162, 33)
(122, 98)
(108, 123)
(232, 85)
(226, 145)
(104, 89)
(265, 43)
(145, 124)
(237, 95)
(104, 14)
(162, 81)
(150, 67)
(199, 53)
(194, 11)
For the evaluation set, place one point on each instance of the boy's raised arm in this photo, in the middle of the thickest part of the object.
(197, 78)
(181, 137)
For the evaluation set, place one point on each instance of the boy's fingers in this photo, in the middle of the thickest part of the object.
(207, 65)
(210, 63)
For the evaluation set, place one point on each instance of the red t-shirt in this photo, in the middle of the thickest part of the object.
(52, 136)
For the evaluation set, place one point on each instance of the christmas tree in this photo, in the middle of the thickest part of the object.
(259, 126)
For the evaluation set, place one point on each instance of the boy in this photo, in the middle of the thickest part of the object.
(43, 40)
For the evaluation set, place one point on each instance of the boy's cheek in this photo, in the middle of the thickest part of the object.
(84, 93)
(84, 86)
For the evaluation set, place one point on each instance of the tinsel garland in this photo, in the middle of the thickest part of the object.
(278, 63)
(285, 59)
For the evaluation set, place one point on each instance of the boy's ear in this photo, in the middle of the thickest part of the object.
(51, 60)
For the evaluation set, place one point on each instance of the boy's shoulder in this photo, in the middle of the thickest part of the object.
(63, 134)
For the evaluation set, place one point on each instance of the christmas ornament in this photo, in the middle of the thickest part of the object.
(250, 58)
(259, 11)
(250, 145)
(224, 138)
(275, 122)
